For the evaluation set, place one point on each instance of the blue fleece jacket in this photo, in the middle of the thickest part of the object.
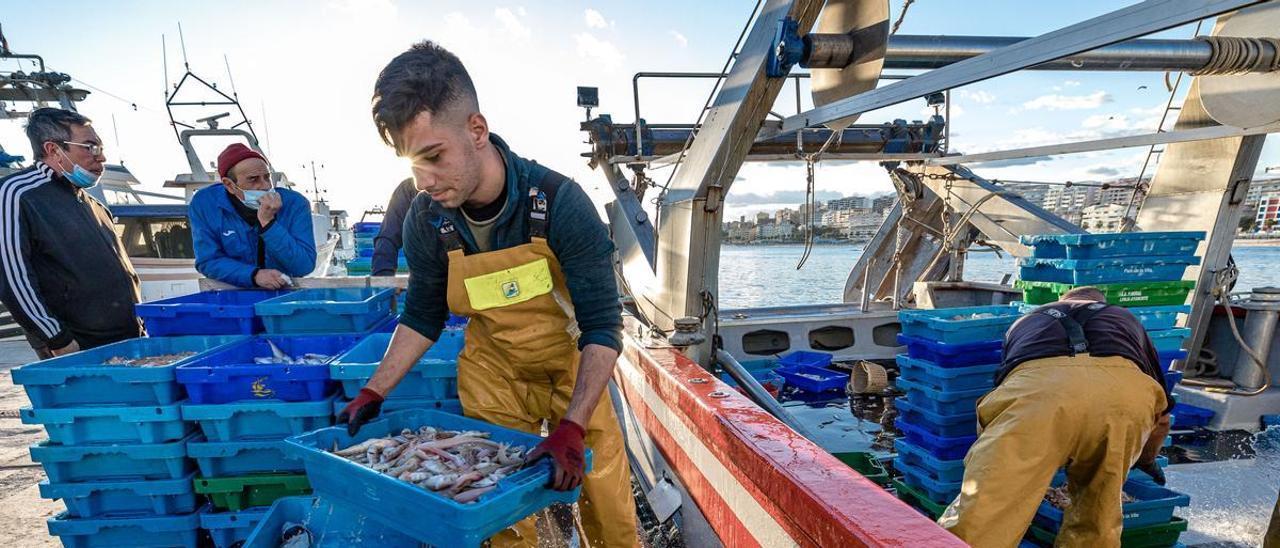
(227, 247)
(575, 234)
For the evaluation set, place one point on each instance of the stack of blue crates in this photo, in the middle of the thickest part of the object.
(117, 448)
(951, 361)
(362, 263)
(432, 383)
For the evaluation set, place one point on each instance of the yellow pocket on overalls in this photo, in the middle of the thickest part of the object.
(511, 286)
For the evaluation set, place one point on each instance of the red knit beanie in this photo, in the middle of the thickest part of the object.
(234, 154)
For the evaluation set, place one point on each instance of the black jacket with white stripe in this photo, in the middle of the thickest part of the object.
(63, 272)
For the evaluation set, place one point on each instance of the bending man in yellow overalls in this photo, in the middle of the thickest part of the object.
(521, 251)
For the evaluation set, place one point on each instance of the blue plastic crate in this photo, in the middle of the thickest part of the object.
(113, 424)
(957, 325)
(402, 506)
(84, 378)
(924, 461)
(805, 358)
(1098, 246)
(331, 524)
(949, 426)
(331, 310)
(400, 404)
(942, 447)
(810, 379)
(150, 461)
(228, 528)
(1105, 271)
(1190, 416)
(952, 355)
(1154, 505)
(240, 458)
(224, 312)
(1169, 340)
(149, 531)
(1171, 377)
(942, 492)
(123, 498)
(943, 402)
(260, 420)
(1152, 317)
(366, 228)
(924, 372)
(434, 377)
(230, 374)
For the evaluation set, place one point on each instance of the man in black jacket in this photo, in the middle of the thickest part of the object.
(64, 275)
(386, 246)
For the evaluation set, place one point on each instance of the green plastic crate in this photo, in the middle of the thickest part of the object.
(1152, 536)
(914, 497)
(1127, 294)
(866, 464)
(240, 492)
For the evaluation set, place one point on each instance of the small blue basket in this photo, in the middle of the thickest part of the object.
(402, 506)
(401, 404)
(332, 310)
(1105, 271)
(952, 355)
(942, 447)
(123, 498)
(1169, 340)
(1190, 416)
(114, 424)
(942, 492)
(227, 528)
(1154, 505)
(434, 377)
(924, 461)
(262, 420)
(960, 402)
(148, 461)
(240, 458)
(810, 379)
(331, 524)
(948, 426)
(230, 374)
(805, 358)
(958, 325)
(224, 312)
(85, 379)
(152, 531)
(924, 372)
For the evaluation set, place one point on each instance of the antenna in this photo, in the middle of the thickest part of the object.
(182, 39)
(229, 78)
(116, 130)
(164, 56)
(266, 129)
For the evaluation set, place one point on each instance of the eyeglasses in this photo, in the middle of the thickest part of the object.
(94, 149)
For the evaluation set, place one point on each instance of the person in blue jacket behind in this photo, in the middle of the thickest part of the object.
(248, 233)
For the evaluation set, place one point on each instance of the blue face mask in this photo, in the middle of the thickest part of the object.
(79, 176)
(251, 197)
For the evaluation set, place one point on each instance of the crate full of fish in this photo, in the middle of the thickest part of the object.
(434, 377)
(110, 424)
(1143, 504)
(322, 523)
(227, 529)
(181, 530)
(440, 478)
(132, 372)
(240, 492)
(286, 368)
(261, 420)
(1101, 246)
(329, 310)
(959, 325)
(238, 458)
(221, 312)
(1106, 271)
(123, 497)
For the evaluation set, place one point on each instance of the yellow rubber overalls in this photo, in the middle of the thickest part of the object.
(520, 363)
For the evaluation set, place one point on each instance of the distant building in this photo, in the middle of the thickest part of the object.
(848, 202)
(788, 215)
(1069, 202)
(1030, 192)
(863, 223)
(1262, 186)
(775, 231)
(1102, 218)
(883, 203)
(762, 218)
(1268, 216)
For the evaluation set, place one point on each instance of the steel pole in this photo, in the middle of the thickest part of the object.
(931, 52)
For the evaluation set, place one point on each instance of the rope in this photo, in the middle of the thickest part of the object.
(901, 15)
(810, 162)
(1239, 55)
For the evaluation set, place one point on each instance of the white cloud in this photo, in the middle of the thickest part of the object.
(603, 51)
(1069, 102)
(981, 97)
(1071, 83)
(595, 19)
(511, 23)
(679, 38)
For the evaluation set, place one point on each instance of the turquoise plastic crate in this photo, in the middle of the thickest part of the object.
(944, 448)
(937, 490)
(402, 506)
(84, 378)
(149, 461)
(123, 498)
(965, 424)
(230, 373)
(138, 532)
(228, 528)
(952, 355)
(331, 524)
(115, 424)
(940, 325)
(1169, 340)
(1152, 317)
(1098, 246)
(1154, 505)
(400, 404)
(259, 420)
(1105, 271)
(943, 402)
(924, 461)
(330, 310)
(223, 312)
(971, 377)
(434, 377)
(239, 458)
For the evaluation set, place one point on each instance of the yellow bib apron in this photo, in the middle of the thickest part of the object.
(519, 367)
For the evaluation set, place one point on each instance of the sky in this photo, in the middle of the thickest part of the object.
(304, 72)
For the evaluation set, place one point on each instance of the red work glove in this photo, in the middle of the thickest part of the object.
(565, 446)
(366, 407)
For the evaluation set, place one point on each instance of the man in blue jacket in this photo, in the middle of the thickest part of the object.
(248, 233)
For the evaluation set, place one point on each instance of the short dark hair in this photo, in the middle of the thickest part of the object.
(52, 124)
(1086, 293)
(427, 78)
